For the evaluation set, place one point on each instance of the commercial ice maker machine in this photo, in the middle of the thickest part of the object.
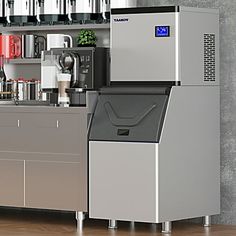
(154, 141)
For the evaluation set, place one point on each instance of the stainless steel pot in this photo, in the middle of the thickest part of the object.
(51, 11)
(20, 11)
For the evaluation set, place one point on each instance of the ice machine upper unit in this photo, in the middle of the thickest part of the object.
(165, 44)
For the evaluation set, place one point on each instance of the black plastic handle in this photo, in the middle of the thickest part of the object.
(126, 121)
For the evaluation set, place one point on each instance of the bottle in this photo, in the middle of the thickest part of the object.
(3, 78)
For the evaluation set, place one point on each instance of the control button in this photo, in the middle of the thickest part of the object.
(85, 71)
(87, 58)
(82, 58)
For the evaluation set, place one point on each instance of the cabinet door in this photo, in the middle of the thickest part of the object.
(11, 136)
(53, 185)
(11, 183)
(54, 133)
(43, 133)
(122, 181)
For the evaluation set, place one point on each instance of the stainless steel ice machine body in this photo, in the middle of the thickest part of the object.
(153, 155)
(165, 44)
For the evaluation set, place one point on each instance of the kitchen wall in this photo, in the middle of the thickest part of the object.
(228, 98)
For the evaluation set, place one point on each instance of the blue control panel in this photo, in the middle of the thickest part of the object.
(162, 31)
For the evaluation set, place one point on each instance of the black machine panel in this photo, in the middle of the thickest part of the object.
(129, 116)
(93, 69)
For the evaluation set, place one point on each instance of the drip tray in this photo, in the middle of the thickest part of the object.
(7, 102)
(32, 103)
(23, 103)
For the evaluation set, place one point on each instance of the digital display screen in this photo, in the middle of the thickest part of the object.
(162, 31)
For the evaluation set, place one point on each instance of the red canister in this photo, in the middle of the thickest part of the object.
(10, 46)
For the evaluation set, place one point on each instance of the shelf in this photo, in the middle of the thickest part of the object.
(54, 27)
(25, 61)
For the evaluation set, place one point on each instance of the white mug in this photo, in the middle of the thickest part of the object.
(58, 41)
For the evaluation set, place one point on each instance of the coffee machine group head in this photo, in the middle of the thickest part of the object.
(70, 63)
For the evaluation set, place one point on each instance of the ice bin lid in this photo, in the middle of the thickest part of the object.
(129, 117)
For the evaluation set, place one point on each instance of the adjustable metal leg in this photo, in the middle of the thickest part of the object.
(112, 224)
(166, 227)
(132, 225)
(80, 218)
(207, 221)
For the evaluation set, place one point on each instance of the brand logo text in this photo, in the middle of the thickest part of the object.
(121, 20)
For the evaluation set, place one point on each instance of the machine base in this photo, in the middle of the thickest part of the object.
(77, 99)
(3, 20)
(22, 20)
(53, 18)
(86, 17)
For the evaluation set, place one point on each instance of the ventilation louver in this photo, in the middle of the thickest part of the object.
(209, 57)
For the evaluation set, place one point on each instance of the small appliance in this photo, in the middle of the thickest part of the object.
(51, 11)
(88, 67)
(20, 11)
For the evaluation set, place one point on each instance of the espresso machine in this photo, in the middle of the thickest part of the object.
(154, 140)
(20, 12)
(87, 67)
